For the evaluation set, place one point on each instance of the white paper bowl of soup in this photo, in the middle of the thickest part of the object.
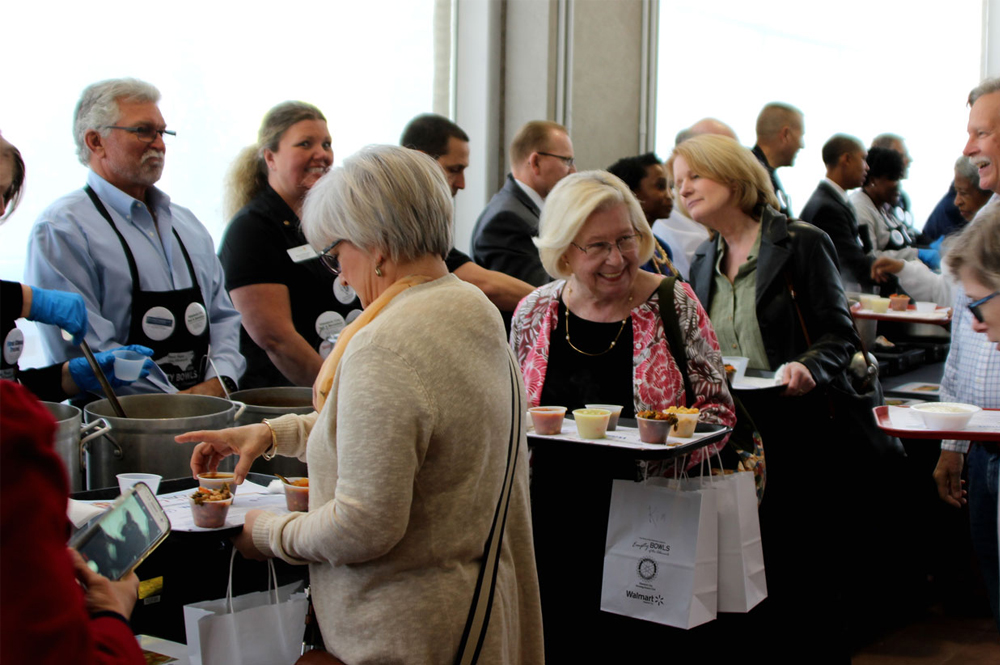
(686, 423)
(879, 305)
(547, 420)
(946, 416)
(591, 423)
(214, 480)
(924, 307)
(739, 364)
(616, 412)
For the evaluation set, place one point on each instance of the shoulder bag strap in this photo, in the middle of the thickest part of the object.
(802, 321)
(672, 331)
(482, 599)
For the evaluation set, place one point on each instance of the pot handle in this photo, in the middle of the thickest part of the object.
(240, 408)
(104, 425)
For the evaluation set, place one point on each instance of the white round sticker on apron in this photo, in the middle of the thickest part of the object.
(896, 238)
(195, 318)
(13, 345)
(353, 314)
(325, 347)
(344, 293)
(328, 324)
(158, 323)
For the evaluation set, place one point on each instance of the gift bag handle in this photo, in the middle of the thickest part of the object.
(272, 582)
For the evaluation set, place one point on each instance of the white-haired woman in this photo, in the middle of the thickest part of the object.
(292, 307)
(419, 406)
(596, 335)
(974, 260)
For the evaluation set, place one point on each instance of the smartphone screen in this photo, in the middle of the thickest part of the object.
(124, 535)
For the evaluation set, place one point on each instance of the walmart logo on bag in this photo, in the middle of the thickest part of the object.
(649, 599)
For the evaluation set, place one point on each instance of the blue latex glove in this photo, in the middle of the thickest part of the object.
(84, 377)
(931, 257)
(60, 308)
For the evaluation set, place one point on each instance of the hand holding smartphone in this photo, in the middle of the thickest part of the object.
(125, 535)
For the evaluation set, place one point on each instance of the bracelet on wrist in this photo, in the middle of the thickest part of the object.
(269, 454)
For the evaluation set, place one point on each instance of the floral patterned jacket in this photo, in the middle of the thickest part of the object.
(656, 379)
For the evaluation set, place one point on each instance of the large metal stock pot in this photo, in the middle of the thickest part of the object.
(272, 403)
(72, 438)
(144, 442)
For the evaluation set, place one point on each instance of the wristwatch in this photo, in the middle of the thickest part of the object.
(230, 385)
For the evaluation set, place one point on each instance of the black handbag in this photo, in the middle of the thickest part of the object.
(852, 407)
(745, 447)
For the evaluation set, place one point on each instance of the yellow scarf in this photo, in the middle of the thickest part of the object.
(324, 380)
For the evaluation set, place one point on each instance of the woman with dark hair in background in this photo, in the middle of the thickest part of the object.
(874, 202)
(292, 308)
(644, 175)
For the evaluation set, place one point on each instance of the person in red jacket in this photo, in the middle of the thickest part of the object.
(53, 608)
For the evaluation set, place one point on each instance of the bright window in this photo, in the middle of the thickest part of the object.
(856, 67)
(219, 66)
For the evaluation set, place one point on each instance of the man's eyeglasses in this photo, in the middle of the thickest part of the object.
(144, 133)
(975, 306)
(602, 250)
(331, 263)
(568, 161)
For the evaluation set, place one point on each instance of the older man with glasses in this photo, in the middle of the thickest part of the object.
(145, 266)
(972, 371)
(541, 155)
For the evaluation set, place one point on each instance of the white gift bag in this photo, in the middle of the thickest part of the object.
(260, 628)
(742, 583)
(661, 558)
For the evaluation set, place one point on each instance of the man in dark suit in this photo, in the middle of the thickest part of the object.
(829, 209)
(779, 138)
(541, 155)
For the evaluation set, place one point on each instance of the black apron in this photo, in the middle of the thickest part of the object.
(899, 236)
(173, 323)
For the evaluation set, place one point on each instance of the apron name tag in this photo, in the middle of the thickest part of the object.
(302, 253)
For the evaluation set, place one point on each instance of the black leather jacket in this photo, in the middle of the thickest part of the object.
(806, 254)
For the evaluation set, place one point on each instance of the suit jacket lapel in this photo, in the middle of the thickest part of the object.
(518, 193)
(775, 252)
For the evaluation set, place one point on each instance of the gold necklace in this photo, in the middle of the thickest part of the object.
(613, 342)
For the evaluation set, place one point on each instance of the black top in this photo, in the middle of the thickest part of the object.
(574, 380)
(45, 382)
(783, 201)
(456, 259)
(255, 250)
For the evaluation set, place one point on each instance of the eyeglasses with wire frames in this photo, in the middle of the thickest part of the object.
(602, 250)
(975, 306)
(331, 263)
(144, 133)
(568, 161)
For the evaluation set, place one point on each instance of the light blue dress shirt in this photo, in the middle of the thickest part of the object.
(972, 370)
(73, 248)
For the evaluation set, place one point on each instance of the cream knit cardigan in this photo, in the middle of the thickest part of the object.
(406, 462)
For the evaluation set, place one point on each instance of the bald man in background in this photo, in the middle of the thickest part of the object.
(779, 138)
(681, 233)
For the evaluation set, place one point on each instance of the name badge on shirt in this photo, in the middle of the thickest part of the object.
(302, 253)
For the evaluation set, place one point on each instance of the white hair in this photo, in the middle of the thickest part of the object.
(571, 203)
(98, 108)
(383, 197)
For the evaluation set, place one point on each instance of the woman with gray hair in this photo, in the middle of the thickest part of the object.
(921, 282)
(596, 335)
(417, 445)
(292, 308)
